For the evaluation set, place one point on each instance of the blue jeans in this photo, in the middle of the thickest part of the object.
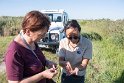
(72, 79)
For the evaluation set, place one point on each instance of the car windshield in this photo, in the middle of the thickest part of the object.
(55, 17)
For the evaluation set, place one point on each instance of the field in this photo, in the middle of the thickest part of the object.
(107, 64)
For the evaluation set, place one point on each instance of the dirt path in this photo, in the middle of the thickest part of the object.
(2, 67)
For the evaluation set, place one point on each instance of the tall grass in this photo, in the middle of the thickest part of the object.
(4, 42)
(3, 77)
(107, 65)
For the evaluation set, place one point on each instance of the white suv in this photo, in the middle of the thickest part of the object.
(55, 33)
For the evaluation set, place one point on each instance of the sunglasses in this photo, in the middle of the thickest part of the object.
(73, 37)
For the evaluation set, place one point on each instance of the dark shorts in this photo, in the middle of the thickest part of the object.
(72, 79)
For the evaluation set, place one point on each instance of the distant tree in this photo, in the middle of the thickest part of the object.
(12, 25)
(2, 23)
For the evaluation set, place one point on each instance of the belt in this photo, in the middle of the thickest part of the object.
(75, 76)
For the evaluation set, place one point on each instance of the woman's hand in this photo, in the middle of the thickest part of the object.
(75, 71)
(68, 68)
(51, 64)
(49, 73)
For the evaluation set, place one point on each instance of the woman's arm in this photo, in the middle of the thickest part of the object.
(66, 65)
(49, 73)
(62, 62)
(81, 67)
(84, 64)
(32, 79)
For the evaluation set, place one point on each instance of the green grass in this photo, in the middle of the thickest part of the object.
(3, 78)
(107, 64)
(4, 42)
(53, 57)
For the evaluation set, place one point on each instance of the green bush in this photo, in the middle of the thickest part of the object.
(118, 40)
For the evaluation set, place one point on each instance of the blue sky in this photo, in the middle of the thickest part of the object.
(77, 9)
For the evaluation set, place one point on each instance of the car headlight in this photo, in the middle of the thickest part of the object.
(53, 37)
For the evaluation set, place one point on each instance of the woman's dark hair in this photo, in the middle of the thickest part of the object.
(72, 23)
(34, 21)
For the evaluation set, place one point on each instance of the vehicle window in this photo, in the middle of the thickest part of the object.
(55, 17)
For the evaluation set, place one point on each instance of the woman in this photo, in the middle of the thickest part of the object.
(75, 52)
(25, 63)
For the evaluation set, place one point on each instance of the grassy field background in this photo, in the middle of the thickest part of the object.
(107, 64)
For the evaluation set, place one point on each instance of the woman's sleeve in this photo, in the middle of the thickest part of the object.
(88, 51)
(61, 52)
(14, 66)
